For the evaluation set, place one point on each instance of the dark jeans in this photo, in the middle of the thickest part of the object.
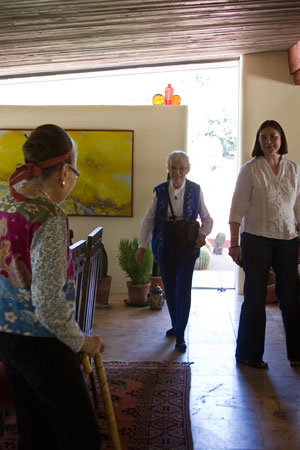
(52, 405)
(259, 254)
(176, 268)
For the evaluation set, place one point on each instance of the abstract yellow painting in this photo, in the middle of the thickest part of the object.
(105, 162)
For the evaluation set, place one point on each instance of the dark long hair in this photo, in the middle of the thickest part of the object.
(257, 151)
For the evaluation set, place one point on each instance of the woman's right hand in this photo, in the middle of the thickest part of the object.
(236, 254)
(92, 345)
(140, 255)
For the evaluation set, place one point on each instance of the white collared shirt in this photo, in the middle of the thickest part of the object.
(266, 204)
(147, 222)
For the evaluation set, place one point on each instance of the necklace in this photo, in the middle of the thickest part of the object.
(45, 194)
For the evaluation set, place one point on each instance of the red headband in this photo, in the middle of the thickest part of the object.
(28, 170)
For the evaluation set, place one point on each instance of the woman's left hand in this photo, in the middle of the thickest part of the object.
(200, 241)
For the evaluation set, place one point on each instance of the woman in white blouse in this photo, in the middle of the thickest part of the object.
(265, 218)
(175, 262)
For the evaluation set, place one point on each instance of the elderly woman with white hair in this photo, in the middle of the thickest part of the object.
(176, 262)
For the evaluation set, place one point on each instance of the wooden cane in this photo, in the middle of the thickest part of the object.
(108, 406)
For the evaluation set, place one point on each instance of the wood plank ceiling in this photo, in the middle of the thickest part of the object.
(55, 36)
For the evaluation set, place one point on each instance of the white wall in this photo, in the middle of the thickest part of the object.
(157, 131)
(267, 91)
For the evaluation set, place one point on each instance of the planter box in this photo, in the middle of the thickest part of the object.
(103, 290)
(137, 294)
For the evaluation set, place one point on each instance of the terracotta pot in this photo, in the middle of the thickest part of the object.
(137, 294)
(103, 290)
(271, 295)
(156, 281)
(271, 277)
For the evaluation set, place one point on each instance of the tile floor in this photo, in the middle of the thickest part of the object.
(236, 408)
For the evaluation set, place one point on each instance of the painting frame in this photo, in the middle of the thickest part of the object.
(105, 162)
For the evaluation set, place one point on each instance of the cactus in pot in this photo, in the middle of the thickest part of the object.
(219, 243)
(204, 259)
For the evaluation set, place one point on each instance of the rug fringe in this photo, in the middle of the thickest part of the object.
(150, 363)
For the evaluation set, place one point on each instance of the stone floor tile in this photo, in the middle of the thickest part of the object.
(232, 406)
(227, 434)
(280, 436)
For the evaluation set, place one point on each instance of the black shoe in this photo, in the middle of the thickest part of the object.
(170, 332)
(180, 345)
(295, 363)
(253, 363)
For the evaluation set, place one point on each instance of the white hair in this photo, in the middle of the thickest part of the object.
(176, 154)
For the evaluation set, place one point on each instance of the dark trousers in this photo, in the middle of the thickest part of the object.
(176, 268)
(52, 405)
(259, 254)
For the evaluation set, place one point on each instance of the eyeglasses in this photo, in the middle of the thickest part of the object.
(180, 169)
(77, 173)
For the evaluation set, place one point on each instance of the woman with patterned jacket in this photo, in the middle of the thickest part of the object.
(39, 338)
(175, 262)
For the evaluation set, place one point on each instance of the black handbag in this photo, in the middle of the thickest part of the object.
(186, 230)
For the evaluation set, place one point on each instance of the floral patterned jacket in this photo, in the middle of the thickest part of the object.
(37, 295)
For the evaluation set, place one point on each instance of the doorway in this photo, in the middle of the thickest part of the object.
(213, 150)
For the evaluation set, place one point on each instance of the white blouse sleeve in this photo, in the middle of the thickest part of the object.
(206, 221)
(241, 195)
(147, 224)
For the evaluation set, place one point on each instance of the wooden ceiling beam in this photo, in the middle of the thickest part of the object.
(42, 36)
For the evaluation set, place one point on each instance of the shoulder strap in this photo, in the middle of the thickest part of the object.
(171, 207)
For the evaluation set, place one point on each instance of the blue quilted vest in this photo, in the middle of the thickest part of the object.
(190, 212)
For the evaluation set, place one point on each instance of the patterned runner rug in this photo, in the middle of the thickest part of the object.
(151, 404)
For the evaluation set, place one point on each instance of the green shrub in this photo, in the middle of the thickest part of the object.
(137, 273)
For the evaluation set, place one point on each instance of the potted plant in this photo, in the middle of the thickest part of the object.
(138, 286)
(271, 288)
(104, 280)
(204, 259)
(219, 244)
